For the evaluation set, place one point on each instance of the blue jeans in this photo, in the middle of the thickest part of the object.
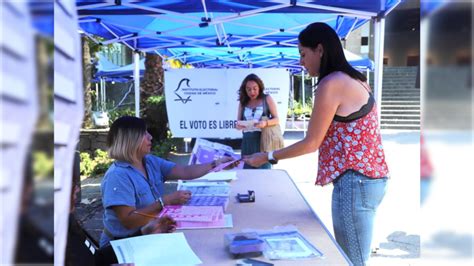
(425, 185)
(355, 199)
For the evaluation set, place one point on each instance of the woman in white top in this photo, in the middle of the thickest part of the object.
(253, 105)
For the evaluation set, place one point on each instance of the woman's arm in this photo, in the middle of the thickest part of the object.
(326, 102)
(130, 219)
(196, 170)
(273, 111)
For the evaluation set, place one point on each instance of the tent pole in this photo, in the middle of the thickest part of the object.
(105, 95)
(136, 79)
(303, 104)
(101, 94)
(292, 95)
(368, 75)
(379, 24)
(97, 95)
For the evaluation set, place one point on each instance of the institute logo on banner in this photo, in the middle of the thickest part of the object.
(180, 98)
(184, 91)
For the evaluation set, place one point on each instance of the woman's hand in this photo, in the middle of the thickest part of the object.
(261, 124)
(256, 159)
(239, 126)
(179, 197)
(226, 159)
(163, 224)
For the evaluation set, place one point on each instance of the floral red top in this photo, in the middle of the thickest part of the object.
(426, 169)
(355, 145)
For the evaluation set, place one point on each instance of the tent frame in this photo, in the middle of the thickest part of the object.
(223, 38)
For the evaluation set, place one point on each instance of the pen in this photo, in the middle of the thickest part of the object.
(146, 215)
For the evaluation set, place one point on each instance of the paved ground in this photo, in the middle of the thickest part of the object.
(396, 239)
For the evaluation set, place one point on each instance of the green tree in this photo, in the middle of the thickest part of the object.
(152, 99)
(86, 79)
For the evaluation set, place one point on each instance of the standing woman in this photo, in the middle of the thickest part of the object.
(132, 188)
(344, 127)
(253, 105)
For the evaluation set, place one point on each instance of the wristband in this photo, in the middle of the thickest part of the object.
(271, 159)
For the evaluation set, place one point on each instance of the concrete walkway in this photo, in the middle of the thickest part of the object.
(396, 238)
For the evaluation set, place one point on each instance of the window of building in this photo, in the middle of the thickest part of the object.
(463, 60)
(413, 60)
(385, 61)
(364, 41)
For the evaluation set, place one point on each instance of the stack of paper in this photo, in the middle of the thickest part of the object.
(205, 197)
(155, 249)
(205, 188)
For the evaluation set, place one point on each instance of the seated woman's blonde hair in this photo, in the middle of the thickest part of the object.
(124, 138)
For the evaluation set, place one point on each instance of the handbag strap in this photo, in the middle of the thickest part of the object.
(266, 111)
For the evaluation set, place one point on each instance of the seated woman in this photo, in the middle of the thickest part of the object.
(132, 188)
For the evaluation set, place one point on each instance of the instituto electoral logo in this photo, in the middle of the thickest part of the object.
(180, 98)
(184, 92)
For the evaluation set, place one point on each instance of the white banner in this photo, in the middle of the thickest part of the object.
(203, 103)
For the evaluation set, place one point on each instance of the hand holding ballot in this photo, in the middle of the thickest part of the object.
(228, 164)
(246, 124)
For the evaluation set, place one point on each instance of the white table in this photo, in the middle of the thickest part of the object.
(278, 203)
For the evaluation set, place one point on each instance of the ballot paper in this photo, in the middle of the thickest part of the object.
(205, 188)
(247, 124)
(155, 249)
(193, 213)
(222, 166)
(224, 222)
(221, 201)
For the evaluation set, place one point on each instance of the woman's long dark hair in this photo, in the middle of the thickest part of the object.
(243, 97)
(333, 58)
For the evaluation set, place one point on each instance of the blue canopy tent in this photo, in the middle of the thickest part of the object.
(230, 28)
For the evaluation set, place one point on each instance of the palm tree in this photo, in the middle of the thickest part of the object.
(152, 83)
(153, 108)
(86, 79)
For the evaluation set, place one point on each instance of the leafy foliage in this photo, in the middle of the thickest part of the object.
(43, 165)
(113, 115)
(299, 111)
(156, 118)
(165, 146)
(94, 166)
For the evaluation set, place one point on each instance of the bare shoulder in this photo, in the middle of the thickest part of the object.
(337, 78)
(333, 82)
